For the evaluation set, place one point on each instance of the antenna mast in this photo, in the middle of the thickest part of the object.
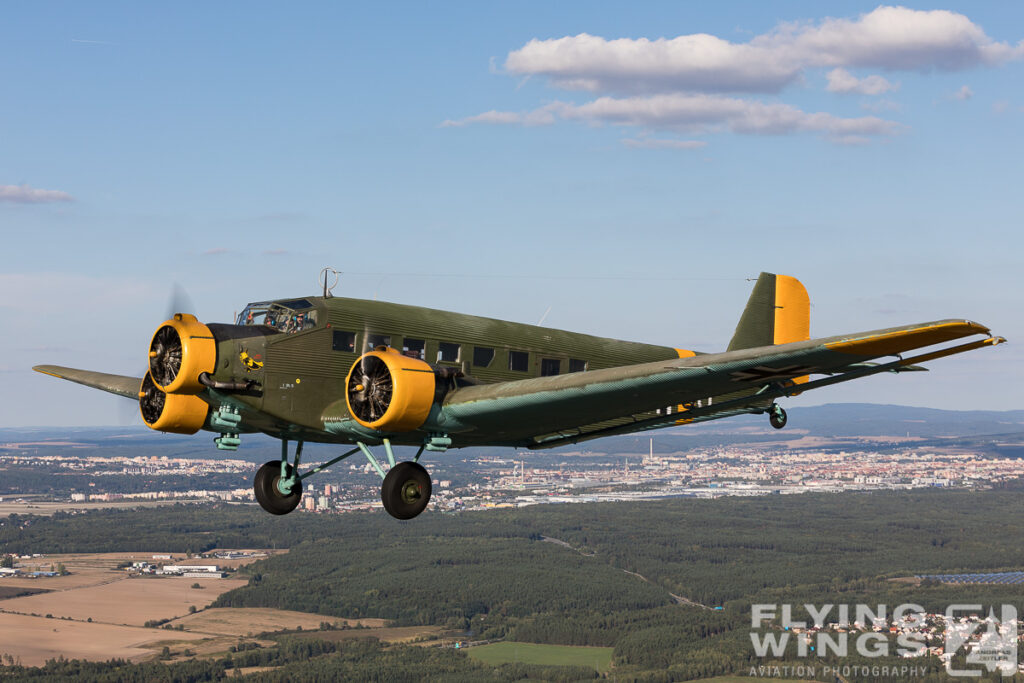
(325, 278)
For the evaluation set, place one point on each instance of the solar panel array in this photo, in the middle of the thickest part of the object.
(1003, 578)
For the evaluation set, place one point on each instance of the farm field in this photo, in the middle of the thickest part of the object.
(127, 601)
(245, 621)
(33, 640)
(119, 605)
(599, 658)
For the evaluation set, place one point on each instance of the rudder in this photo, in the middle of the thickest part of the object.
(778, 312)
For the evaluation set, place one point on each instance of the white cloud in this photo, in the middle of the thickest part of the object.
(894, 38)
(963, 94)
(23, 194)
(661, 143)
(705, 113)
(694, 62)
(699, 113)
(842, 81)
(538, 117)
(681, 84)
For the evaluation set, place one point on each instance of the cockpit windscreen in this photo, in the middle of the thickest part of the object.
(289, 317)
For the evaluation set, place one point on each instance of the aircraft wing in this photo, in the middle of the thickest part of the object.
(115, 384)
(552, 411)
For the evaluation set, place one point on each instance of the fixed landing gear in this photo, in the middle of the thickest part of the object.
(268, 487)
(777, 416)
(405, 490)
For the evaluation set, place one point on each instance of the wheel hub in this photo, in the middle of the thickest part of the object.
(410, 491)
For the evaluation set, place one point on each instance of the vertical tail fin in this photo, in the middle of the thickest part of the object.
(778, 312)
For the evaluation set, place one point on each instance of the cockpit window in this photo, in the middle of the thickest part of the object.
(284, 316)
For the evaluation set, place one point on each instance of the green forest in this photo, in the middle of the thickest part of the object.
(621, 575)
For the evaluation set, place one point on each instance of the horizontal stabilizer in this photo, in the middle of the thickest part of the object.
(115, 384)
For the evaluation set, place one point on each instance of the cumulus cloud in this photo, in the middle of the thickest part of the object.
(963, 94)
(694, 62)
(842, 81)
(689, 83)
(23, 194)
(662, 143)
(893, 38)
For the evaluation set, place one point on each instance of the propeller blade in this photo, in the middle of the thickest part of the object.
(180, 302)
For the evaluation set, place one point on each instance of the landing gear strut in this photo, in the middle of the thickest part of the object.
(405, 491)
(777, 416)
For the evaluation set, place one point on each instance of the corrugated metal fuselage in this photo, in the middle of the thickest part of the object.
(302, 374)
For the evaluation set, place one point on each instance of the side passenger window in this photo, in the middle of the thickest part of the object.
(343, 341)
(519, 361)
(482, 356)
(448, 352)
(414, 348)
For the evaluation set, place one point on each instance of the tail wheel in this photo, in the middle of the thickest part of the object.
(406, 490)
(269, 496)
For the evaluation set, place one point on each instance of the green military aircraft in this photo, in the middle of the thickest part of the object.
(367, 373)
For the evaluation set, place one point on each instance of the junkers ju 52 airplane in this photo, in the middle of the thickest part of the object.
(367, 373)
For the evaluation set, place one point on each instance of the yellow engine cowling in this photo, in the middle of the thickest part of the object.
(164, 412)
(182, 348)
(390, 392)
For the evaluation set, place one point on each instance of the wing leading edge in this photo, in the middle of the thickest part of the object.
(551, 411)
(114, 384)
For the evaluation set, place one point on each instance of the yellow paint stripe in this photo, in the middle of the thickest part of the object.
(792, 311)
(686, 353)
(899, 341)
(792, 314)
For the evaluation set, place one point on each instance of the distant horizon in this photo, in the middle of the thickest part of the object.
(654, 433)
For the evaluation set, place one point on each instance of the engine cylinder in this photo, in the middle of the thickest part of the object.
(390, 392)
(177, 413)
(182, 348)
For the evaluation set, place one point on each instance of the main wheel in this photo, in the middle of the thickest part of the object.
(777, 417)
(269, 496)
(406, 490)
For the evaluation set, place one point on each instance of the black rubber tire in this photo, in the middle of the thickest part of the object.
(778, 419)
(406, 490)
(267, 495)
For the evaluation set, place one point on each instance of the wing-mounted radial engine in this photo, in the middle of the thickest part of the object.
(390, 392)
(181, 350)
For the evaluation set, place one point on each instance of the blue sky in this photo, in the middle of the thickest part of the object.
(501, 159)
